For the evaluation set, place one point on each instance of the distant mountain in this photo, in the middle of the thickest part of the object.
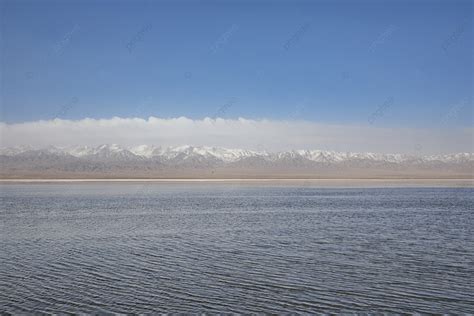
(188, 161)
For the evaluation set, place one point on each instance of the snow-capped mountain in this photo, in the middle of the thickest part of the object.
(114, 151)
(156, 161)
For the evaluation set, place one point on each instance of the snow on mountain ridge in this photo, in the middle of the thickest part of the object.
(226, 155)
(143, 150)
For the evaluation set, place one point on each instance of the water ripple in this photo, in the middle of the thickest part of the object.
(239, 249)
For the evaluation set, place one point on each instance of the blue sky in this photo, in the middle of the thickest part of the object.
(403, 63)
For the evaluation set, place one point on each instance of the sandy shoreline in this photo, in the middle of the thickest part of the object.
(301, 182)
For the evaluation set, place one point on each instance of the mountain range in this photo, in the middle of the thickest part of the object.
(145, 161)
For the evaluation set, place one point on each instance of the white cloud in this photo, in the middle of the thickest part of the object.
(270, 135)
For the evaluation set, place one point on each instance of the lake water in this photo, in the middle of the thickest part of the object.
(165, 247)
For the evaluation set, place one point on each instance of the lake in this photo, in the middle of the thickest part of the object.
(235, 247)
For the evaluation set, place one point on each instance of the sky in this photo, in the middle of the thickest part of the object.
(339, 66)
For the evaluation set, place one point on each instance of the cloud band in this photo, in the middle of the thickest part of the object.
(270, 135)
